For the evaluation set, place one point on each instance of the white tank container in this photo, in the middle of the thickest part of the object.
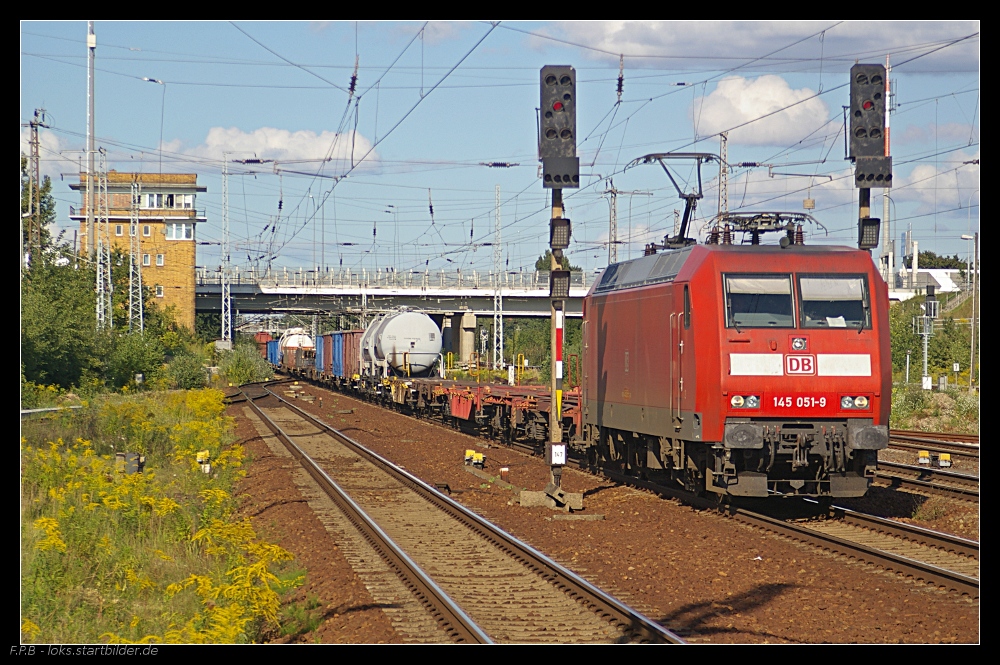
(400, 340)
(295, 338)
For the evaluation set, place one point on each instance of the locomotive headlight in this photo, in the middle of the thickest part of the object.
(861, 402)
(752, 402)
(847, 402)
(737, 401)
(799, 344)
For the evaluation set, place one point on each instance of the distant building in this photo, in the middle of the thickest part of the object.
(168, 217)
(944, 280)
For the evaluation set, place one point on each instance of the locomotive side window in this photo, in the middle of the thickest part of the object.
(759, 301)
(834, 301)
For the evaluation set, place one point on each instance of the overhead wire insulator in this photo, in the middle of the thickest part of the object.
(621, 76)
(354, 78)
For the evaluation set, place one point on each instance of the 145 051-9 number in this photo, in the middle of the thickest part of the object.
(801, 402)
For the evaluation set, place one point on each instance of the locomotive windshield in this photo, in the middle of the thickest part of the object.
(759, 301)
(834, 301)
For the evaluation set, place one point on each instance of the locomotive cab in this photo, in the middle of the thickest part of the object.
(802, 395)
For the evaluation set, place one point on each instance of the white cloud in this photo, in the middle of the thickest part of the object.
(941, 186)
(283, 145)
(695, 45)
(737, 100)
(437, 32)
(52, 161)
(948, 133)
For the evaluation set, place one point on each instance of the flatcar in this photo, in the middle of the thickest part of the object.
(741, 370)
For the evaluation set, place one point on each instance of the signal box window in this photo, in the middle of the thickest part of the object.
(159, 259)
(177, 231)
(834, 301)
(759, 301)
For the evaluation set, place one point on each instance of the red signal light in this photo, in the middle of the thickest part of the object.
(557, 106)
(868, 105)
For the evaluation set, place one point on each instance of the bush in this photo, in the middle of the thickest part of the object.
(187, 371)
(157, 556)
(131, 354)
(244, 364)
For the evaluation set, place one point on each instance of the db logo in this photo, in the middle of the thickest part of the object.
(800, 365)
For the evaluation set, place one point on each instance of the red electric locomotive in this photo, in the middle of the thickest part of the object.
(740, 369)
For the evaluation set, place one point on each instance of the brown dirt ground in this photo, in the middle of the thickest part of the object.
(701, 575)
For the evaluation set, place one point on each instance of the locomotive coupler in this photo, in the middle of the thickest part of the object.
(800, 454)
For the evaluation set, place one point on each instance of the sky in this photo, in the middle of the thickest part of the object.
(395, 174)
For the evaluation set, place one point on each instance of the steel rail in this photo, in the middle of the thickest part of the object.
(919, 570)
(910, 434)
(929, 537)
(929, 479)
(449, 615)
(931, 445)
(575, 586)
(951, 580)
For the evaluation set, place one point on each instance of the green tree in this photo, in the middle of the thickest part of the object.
(544, 262)
(208, 326)
(903, 339)
(58, 339)
(42, 200)
(929, 259)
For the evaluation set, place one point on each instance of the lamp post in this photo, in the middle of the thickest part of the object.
(392, 210)
(163, 106)
(968, 259)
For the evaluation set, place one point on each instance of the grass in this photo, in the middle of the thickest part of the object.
(931, 510)
(925, 410)
(301, 618)
(157, 556)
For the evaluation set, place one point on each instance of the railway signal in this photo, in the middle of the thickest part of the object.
(867, 111)
(557, 133)
(873, 166)
(560, 170)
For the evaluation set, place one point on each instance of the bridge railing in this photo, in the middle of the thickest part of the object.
(410, 279)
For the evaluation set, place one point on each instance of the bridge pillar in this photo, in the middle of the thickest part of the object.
(467, 337)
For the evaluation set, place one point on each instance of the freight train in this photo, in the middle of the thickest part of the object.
(738, 370)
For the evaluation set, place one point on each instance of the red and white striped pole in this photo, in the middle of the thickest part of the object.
(556, 449)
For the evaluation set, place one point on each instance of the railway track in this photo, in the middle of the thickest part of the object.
(928, 479)
(946, 561)
(940, 559)
(966, 445)
(476, 582)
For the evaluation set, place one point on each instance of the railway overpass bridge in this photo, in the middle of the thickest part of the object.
(439, 293)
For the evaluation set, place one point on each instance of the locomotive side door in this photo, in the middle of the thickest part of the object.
(682, 361)
(675, 371)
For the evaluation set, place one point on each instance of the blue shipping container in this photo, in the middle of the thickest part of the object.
(338, 354)
(319, 354)
(273, 352)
